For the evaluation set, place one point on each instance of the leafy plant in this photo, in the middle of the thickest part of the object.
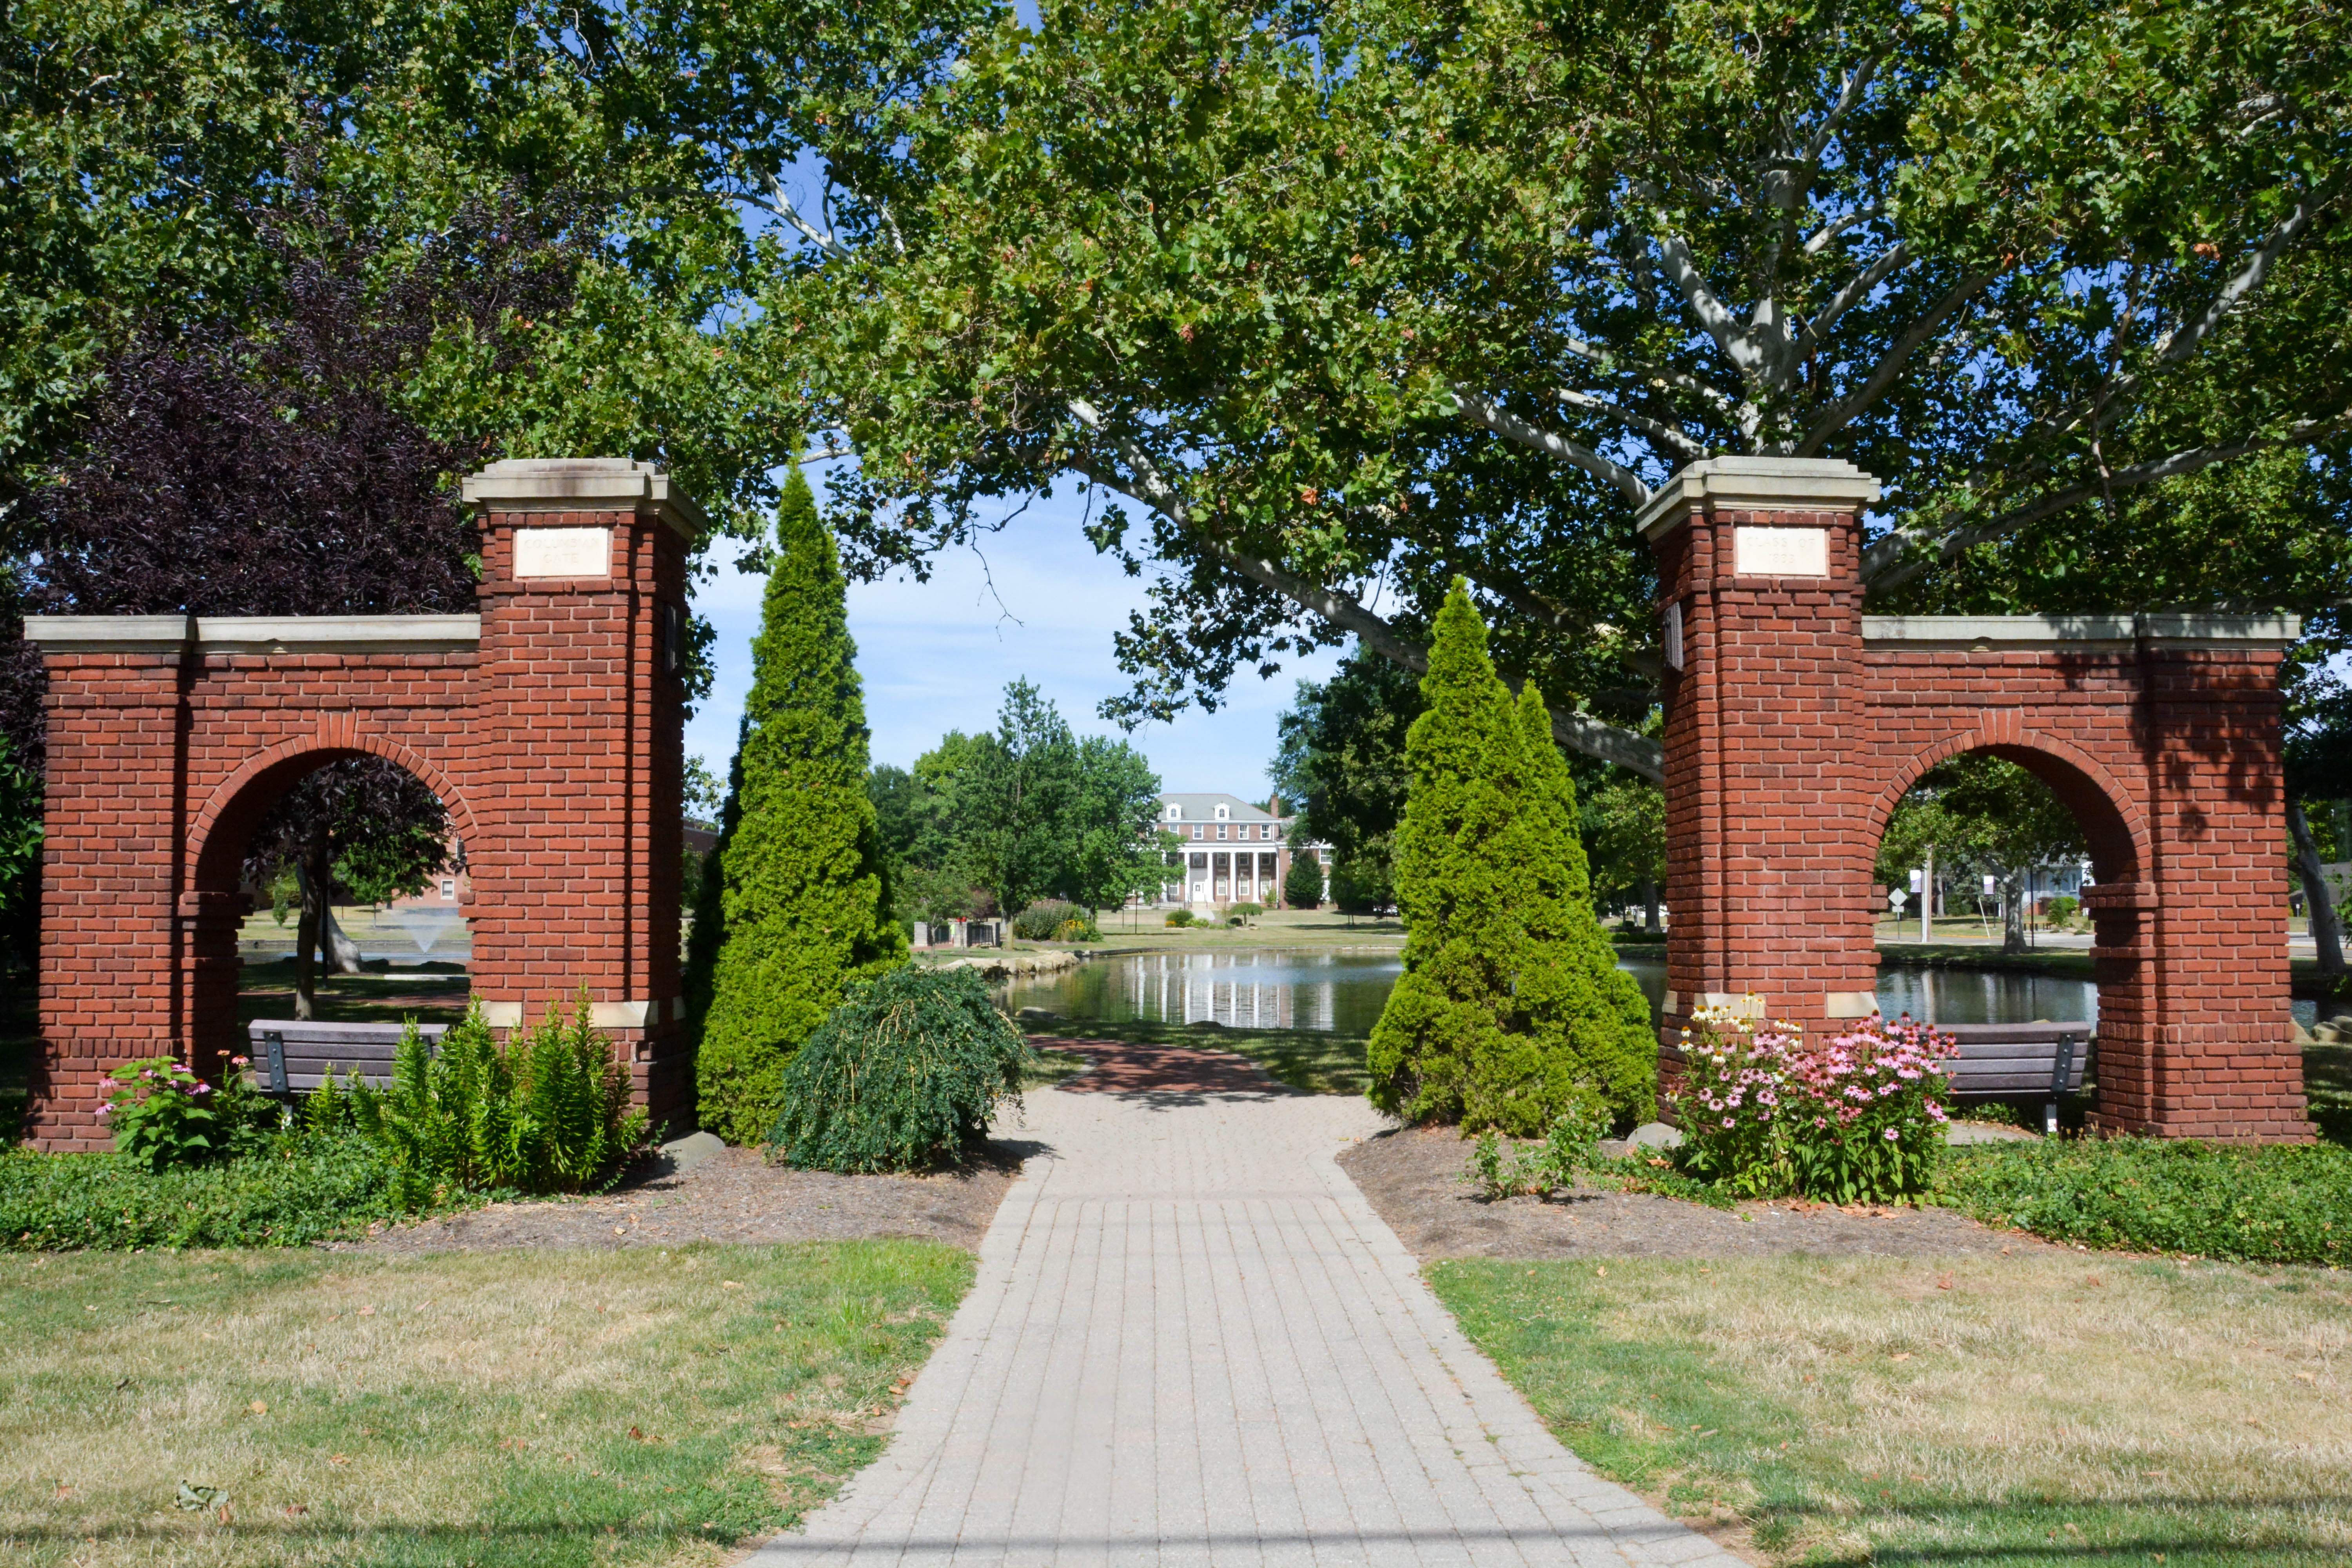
(1302, 884)
(803, 903)
(548, 1112)
(904, 1076)
(1511, 1007)
(1859, 1119)
(301, 1191)
(1180, 919)
(1055, 920)
(2282, 1204)
(163, 1114)
(1244, 912)
(1569, 1147)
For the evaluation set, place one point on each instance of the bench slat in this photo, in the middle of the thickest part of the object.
(310, 1051)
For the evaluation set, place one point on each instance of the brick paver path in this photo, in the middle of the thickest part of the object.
(1192, 1342)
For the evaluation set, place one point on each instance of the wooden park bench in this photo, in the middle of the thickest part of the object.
(292, 1057)
(2013, 1061)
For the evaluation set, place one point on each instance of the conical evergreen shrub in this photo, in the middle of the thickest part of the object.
(804, 904)
(1510, 1009)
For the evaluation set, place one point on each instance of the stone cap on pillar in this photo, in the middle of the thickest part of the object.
(1756, 484)
(583, 484)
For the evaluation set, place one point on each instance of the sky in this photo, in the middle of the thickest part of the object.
(935, 656)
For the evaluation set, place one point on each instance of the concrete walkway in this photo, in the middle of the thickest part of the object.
(1192, 1342)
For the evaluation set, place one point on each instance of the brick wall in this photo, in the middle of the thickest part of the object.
(555, 741)
(1790, 736)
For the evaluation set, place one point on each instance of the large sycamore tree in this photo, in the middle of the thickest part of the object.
(1330, 302)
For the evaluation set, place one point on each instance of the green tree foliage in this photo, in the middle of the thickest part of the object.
(1342, 760)
(1372, 291)
(1302, 884)
(1511, 1010)
(904, 1076)
(2319, 771)
(803, 898)
(996, 822)
(1624, 829)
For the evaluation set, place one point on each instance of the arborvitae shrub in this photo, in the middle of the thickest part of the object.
(1302, 884)
(802, 906)
(903, 1076)
(1510, 1012)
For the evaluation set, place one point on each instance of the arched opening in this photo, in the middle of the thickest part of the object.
(1986, 863)
(332, 885)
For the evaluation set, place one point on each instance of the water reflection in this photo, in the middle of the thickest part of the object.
(1270, 988)
(1340, 992)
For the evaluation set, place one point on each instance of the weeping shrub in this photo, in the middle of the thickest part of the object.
(903, 1076)
(548, 1112)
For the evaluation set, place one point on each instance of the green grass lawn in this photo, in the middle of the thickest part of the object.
(488, 1408)
(2031, 1409)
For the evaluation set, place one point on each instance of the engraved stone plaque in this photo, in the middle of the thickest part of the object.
(564, 552)
(1782, 552)
(1674, 635)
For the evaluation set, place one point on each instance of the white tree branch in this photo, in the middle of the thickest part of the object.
(1665, 435)
(1738, 343)
(2179, 342)
(1897, 256)
(1890, 364)
(1511, 427)
(781, 206)
(1143, 483)
(1838, 225)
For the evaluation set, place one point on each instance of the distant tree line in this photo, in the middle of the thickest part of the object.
(992, 823)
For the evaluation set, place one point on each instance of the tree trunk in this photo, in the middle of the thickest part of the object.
(2326, 936)
(1650, 905)
(342, 952)
(306, 940)
(2012, 921)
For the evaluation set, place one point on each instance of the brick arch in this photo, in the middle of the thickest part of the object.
(2108, 813)
(550, 723)
(241, 799)
(1794, 722)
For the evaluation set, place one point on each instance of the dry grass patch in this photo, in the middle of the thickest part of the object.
(487, 1408)
(2007, 1410)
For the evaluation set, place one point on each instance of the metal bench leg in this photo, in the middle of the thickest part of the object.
(2062, 1074)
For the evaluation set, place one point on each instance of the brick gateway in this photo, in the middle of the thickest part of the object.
(1794, 724)
(549, 724)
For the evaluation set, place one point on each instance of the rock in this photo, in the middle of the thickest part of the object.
(1037, 1016)
(685, 1153)
(1985, 1133)
(2302, 1036)
(2324, 1034)
(1655, 1135)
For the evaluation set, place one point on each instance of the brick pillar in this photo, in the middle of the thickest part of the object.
(1759, 573)
(2195, 1036)
(579, 713)
(118, 721)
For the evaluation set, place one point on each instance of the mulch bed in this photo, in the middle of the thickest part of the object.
(734, 1197)
(1413, 1179)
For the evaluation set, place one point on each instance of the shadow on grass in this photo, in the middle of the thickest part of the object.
(1309, 1060)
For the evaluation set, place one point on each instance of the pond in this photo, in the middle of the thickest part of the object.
(1276, 988)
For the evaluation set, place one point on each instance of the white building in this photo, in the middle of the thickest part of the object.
(1232, 853)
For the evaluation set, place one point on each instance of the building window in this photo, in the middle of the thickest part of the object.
(1175, 813)
(1223, 813)
(1198, 831)
(1220, 833)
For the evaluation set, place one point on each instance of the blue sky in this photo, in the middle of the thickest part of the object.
(935, 656)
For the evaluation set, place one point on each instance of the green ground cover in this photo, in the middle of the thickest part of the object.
(2278, 1204)
(319, 1190)
(2007, 1410)
(541, 1408)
